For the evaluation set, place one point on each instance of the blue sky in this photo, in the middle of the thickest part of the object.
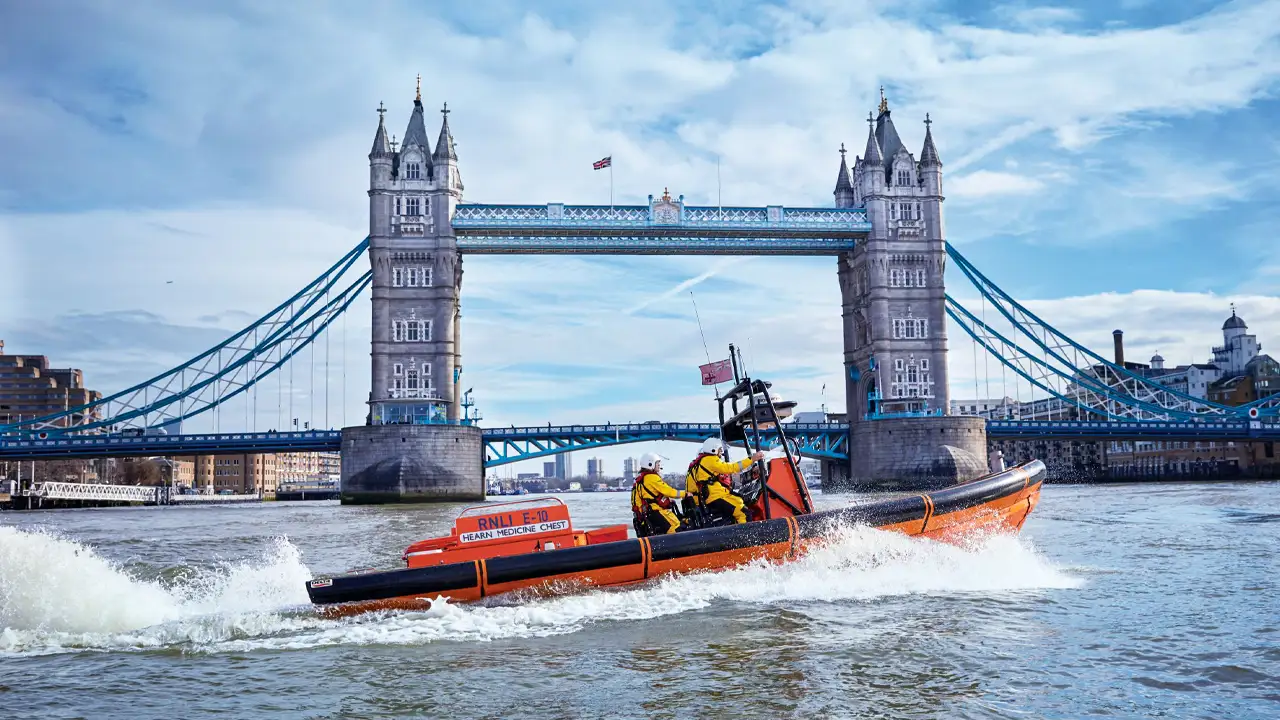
(1115, 164)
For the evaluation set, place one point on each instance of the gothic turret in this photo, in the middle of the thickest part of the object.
(929, 155)
(381, 148)
(446, 158)
(844, 190)
(415, 150)
(872, 156)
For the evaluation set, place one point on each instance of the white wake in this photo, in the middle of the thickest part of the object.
(58, 595)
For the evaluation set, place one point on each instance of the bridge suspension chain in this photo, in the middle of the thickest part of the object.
(222, 372)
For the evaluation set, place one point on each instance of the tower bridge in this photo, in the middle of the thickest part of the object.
(886, 236)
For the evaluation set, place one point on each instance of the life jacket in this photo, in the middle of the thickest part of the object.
(642, 496)
(702, 477)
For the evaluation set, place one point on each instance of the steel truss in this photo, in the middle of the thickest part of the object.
(1063, 368)
(222, 372)
(503, 446)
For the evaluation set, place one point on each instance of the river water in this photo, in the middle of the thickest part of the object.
(1121, 601)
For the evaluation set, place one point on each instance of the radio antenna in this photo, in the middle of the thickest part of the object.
(706, 350)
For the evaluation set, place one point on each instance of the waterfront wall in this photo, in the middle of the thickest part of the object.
(411, 463)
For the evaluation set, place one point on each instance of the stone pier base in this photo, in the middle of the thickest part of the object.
(384, 464)
(910, 454)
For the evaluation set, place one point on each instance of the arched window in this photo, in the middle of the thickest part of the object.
(413, 171)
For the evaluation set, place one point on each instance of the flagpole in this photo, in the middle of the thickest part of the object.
(719, 205)
(610, 181)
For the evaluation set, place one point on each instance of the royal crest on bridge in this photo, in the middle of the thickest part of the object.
(665, 211)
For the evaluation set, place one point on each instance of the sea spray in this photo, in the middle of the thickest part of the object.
(58, 594)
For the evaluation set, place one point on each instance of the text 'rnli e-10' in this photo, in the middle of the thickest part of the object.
(531, 543)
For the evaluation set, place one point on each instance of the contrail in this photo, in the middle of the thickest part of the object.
(710, 273)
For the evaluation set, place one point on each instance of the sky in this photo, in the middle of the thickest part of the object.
(171, 171)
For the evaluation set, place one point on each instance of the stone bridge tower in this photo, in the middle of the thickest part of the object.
(413, 447)
(895, 324)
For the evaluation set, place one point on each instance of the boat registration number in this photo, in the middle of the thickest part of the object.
(514, 531)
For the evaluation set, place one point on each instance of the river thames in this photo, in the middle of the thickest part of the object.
(1116, 601)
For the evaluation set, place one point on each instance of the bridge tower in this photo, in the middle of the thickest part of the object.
(895, 331)
(413, 447)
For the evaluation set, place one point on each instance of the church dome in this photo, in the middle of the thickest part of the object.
(1235, 321)
(1157, 358)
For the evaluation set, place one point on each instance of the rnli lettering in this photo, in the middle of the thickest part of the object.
(500, 532)
(506, 520)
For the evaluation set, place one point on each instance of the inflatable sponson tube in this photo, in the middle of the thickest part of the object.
(474, 578)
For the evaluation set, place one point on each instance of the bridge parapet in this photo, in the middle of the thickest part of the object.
(470, 217)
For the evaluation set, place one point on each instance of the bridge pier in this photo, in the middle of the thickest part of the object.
(913, 453)
(384, 464)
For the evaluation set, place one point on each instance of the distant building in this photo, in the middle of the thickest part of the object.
(595, 469)
(629, 468)
(564, 465)
(238, 474)
(1003, 408)
(549, 469)
(30, 388)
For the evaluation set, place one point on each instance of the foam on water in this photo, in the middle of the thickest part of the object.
(57, 595)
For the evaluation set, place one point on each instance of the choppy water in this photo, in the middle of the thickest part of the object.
(1121, 601)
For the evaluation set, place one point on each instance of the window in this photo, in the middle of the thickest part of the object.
(910, 328)
(424, 330)
(898, 364)
(397, 204)
(906, 278)
(412, 334)
(426, 369)
(924, 363)
(397, 369)
(413, 207)
(413, 171)
(920, 278)
(397, 277)
(397, 331)
(411, 380)
(426, 277)
(904, 177)
(905, 211)
(413, 277)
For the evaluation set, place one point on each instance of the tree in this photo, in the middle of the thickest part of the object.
(142, 472)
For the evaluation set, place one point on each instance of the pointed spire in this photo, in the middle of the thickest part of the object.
(842, 182)
(418, 93)
(416, 133)
(929, 155)
(872, 155)
(444, 145)
(380, 145)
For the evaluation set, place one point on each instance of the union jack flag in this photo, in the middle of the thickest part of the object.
(602, 163)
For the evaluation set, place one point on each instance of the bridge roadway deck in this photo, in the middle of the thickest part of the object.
(660, 227)
(506, 445)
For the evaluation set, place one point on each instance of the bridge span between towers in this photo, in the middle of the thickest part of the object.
(502, 446)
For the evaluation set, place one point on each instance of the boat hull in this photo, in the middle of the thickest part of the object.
(997, 503)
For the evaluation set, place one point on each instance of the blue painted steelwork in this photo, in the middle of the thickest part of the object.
(1077, 375)
(92, 446)
(507, 445)
(503, 446)
(222, 372)
(637, 244)
(663, 226)
(1133, 430)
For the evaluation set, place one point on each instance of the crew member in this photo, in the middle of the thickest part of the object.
(709, 482)
(651, 499)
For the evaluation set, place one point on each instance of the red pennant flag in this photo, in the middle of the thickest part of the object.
(716, 372)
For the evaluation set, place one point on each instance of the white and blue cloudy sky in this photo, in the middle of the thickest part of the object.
(1115, 164)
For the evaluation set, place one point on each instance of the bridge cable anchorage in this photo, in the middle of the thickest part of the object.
(220, 373)
(1080, 376)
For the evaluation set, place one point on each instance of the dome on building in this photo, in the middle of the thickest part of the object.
(1235, 321)
(1157, 358)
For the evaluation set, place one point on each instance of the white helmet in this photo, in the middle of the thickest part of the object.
(650, 461)
(712, 446)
